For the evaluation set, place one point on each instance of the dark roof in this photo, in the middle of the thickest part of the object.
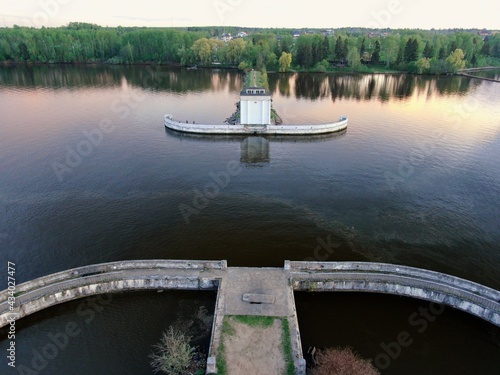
(244, 91)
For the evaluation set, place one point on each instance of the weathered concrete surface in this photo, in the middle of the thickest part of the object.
(105, 278)
(261, 284)
(275, 285)
(473, 298)
(258, 129)
(102, 268)
(259, 298)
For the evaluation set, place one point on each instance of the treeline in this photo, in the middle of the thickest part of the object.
(417, 51)
(91, 44)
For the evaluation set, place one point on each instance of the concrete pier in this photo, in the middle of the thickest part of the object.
(308, 129)
(251, 291)
(256, 292)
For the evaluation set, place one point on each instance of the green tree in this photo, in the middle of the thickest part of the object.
(473, 60)
(428, 51)
(438, 66)
(286, 43)
(376, 53)
(307, 55)
(271, 61)
(423, 64)
(485, 50)
(390, 49)
(354, 58)
(345, 48)
(495, 45)
(325, 47)
(411, 50)
(456, 60)
(339, 50)
(128, 53)
(235, 50)
(217, 46)
(363, 47)
(453, 46)
(401, 55)
(202, 51)
(304, 54)
(186, 56)
(442, 53)
(317, 49)
(285, 61)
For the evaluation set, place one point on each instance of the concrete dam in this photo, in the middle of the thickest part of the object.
(251, 291)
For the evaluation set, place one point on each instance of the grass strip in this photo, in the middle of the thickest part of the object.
(287, 347)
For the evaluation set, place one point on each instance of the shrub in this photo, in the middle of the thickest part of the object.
(438, 66)
(173, 353)
(115, 60)
(320, 68)
(342, 361)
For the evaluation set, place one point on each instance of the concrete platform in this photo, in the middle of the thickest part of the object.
(256, 292)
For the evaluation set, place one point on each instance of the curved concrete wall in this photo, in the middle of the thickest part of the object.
(72, 284)
(308, 129)
(465, 295)
(50, 290)
(262, 129)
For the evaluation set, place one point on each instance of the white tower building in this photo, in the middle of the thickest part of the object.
(255, 106)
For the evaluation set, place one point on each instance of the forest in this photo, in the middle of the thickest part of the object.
(358, 50)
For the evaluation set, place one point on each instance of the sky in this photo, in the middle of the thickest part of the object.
(424, 14)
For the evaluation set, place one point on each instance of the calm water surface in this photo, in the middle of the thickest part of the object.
(414, 180)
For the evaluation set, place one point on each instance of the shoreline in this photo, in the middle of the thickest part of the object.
(177, 65)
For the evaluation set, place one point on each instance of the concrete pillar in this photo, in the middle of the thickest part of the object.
(212, 365)
(302, 367)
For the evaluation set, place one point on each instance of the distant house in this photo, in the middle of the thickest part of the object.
(296, 34)
(226, 37)
(242, 34)
(485, 32)
(376, 34)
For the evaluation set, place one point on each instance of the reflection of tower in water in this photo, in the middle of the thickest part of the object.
(255, 150)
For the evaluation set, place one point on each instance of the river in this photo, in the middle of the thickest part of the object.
(89, 174)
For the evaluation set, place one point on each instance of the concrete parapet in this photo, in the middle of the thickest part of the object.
(306, 129)
(115, 267)
(473, 298)
(216, 337)
(105, 278)
(398, 270)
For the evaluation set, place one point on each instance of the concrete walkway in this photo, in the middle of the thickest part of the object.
(256, 292)
(478, 77)
(272, 282)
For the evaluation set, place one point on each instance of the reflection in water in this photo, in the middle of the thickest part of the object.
(311, 86)
(255, 150)
(364, 86)
(150, 77)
